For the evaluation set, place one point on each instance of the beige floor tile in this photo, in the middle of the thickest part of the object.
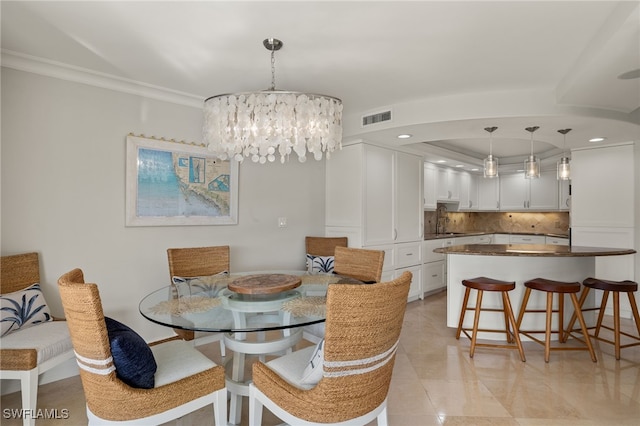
(435, 382)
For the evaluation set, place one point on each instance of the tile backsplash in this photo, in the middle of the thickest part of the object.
(499, 222)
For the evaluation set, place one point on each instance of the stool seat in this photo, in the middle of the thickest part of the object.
(543, 284)
(480, 285)
(489, 284)
(606, 285)
(560, 288)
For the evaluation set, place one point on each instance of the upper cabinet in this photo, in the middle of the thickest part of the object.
(374, 195)
(564, 199)
(430, 199)
(518, 193)
(488, 194)
(448, 184)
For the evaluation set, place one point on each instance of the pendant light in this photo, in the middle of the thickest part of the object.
(264, 124)
(490, 163)
(532, 163)
(564, 169)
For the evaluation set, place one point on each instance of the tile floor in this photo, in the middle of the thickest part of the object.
(436, 383)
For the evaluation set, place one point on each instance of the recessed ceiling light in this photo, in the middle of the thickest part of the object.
(598, 139)
(459, 165)
(404, 136)
(474, 170)
(441, 161)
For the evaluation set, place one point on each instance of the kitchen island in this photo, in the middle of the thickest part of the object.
(519, 263)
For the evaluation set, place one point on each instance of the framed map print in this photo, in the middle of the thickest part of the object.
(172, 183)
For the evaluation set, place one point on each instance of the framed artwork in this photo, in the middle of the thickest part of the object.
(172, 183)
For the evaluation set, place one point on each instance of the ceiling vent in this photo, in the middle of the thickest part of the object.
(379, 117)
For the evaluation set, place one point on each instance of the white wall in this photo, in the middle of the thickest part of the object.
(63, 183)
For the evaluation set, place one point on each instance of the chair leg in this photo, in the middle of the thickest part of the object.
(603, 305)
(512, 319)
(523, 306)
(634, 310)
(382, 419)
(220, 408)
(29, 394)
(463, 311)
(560, 317)
(616, 322)
(572, 321)
(507, 323)
(547, 333)
(583, 325)
(255, 408)
(476, 321)
(223, 350)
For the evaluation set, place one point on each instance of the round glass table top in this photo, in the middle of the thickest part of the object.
(207, 304)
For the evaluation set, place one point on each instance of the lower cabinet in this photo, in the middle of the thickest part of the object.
(434, 276)
(403, 257)
(415, 291)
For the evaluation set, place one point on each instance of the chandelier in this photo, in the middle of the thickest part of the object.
(564, 168)
(532, 163)
(263, 124)
(490, 163)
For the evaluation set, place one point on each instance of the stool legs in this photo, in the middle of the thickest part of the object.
(616, 319)
(548, 322)
(509, 320)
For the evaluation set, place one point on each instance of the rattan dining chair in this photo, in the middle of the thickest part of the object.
(324, 247)
(197, 262)
(362, 264)
(185, 380)
(362, 333)
(29, 352)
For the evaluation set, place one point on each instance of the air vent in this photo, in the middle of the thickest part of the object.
(368, 120)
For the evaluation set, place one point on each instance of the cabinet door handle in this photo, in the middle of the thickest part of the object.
(434, 275)
(395, 234)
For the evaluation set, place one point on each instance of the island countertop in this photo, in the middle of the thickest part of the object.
(536, 250)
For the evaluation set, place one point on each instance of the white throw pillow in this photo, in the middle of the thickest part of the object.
(319, 264)
(209, 284)
(22, 309)
(313, 372)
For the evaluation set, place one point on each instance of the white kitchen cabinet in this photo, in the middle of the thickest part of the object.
(556, 241)
(374, 196)
(415, 290)
(518, 193)
(433, 276)
(527, 239)
(448, 184)
(468, 192)
(430, 182)
(488, 193)
(501, 238)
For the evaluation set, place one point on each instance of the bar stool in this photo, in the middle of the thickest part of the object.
(560, 288)
(482, 284)
(615, 287)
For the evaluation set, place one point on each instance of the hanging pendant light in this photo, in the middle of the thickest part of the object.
(532, 163)
(564, 169)
(263, 124)
(490, 163)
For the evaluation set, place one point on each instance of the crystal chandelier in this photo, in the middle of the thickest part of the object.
(490, 163)
(263, 124)
(532, 163)
(564, 169)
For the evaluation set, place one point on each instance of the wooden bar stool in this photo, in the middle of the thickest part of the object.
(560, 288)
(615, 287)
(482, 284)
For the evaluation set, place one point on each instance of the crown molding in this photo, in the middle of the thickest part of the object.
(21, 62)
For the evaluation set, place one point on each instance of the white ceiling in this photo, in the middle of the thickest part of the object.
(445, 69)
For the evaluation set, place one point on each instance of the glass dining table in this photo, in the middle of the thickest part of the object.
(275, 305)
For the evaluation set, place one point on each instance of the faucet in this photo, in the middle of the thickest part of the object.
(441, 219)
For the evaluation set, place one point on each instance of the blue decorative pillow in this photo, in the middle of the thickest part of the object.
(132, 356)
(22, 309)
(319, 264)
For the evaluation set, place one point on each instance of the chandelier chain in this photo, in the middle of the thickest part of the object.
(273, 67)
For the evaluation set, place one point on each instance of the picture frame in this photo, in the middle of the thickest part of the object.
(171, 183)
